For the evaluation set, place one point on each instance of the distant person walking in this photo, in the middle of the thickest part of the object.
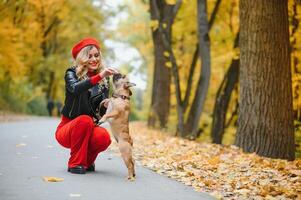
(59, 108)
(50, 106)
(77, 129)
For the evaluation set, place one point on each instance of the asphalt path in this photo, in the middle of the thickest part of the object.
(29, 152)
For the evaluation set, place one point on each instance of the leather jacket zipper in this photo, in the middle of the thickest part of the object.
(71, 108)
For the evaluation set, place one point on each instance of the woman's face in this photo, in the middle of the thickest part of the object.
(94, 59)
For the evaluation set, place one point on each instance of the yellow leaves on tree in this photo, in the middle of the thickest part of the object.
(168, 64)
(154, 24)
(36, 38)
(10, 51)
(166, 54)
(170, 2)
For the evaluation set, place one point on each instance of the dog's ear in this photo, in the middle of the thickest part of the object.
(116, 77)
(128, 85)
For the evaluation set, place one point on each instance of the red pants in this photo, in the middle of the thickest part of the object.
(83, 138)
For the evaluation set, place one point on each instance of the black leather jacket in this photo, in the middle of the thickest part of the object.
(82, 98)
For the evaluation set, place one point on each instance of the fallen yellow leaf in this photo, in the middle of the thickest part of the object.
(214, 161)
(21, 145)
(75, 195)
(296, 172)
(52, 179)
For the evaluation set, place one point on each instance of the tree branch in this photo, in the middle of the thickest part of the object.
(54, 22)
(195, 55)
(156, 10)
(189, 82)
(175, 10)
(214, 12)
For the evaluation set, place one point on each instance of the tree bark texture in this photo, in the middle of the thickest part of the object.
(265, 120)
(160, 102)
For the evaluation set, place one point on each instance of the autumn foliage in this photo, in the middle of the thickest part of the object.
(35, 41)
(224, 171)
(36, 38)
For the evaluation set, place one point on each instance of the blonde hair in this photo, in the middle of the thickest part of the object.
(81, 62)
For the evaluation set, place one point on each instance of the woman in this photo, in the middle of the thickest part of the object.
(86, 86)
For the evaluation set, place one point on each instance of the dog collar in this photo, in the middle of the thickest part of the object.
(121, 96)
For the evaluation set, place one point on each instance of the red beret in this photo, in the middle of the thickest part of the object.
(83, 43)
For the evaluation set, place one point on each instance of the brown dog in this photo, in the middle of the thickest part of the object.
(117, 114)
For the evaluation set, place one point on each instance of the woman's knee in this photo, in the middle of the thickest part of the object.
(102, 138)
(83, 125)
(84, 121)
(106, 139)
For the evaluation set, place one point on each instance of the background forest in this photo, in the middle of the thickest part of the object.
(184, 56)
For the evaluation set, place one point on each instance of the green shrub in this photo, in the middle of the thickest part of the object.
(37, 106)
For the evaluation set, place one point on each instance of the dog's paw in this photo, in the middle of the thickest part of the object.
(130, 178)
(104, 118)
(100, 122)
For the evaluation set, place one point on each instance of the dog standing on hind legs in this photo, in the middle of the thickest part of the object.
(117, 114)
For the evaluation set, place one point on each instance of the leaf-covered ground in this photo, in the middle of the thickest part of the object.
(223, 171)
(12, 117)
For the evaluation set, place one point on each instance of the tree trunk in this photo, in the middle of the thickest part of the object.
(159, 110)
(223, 97)
(265, 119)
(222, 102)
(161, 86)
(203, 83)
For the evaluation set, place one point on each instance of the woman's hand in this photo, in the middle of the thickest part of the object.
(108, 72)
